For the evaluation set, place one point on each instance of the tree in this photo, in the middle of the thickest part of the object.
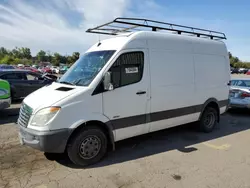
(56, 60)
(16, 53)
(75, 56)
(25, 53)
(7, 60)
(41, 56)
(3, 52)
(49, 56)
(69, 60)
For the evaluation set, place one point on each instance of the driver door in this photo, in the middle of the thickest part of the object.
(127, 105)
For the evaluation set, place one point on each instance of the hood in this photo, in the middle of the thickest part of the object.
(49, 95)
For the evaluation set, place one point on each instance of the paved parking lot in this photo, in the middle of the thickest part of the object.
(178, 157)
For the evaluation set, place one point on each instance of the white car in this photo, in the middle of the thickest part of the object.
(240, 93)
(55, 69)
(129, 85)
(20, 65)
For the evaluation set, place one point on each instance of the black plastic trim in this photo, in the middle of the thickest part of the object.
(167, 114)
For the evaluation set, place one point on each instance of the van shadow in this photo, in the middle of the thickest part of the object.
(180, 138)
(10, 114)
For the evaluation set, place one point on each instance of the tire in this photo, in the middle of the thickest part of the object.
(208, 120)
(82, 146)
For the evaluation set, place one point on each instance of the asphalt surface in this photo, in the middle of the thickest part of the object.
(177, 157)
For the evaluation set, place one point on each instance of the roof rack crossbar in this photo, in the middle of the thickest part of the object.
(129, 24)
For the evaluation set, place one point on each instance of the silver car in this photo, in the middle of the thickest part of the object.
(240, 93)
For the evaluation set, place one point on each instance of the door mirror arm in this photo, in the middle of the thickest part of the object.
(108, 86)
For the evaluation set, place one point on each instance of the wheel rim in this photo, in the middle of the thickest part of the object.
(209, 120)
(90, 147)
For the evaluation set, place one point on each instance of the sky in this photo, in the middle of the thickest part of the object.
(59, 25)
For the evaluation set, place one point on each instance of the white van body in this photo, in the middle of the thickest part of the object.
(181, 75)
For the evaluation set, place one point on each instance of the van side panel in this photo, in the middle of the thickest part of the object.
(172, 88)
(212, 71)
(211, 80)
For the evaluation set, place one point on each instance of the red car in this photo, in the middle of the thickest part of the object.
(32, 69)
(248, 72)
(47, 70)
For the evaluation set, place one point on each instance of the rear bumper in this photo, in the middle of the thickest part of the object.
(239, 103)
(47, 141)
(239, 106)
(5, 103)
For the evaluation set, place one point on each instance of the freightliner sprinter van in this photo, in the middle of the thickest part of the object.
(132, 84)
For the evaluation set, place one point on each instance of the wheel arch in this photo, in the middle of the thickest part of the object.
(212, 102)
(105, 127)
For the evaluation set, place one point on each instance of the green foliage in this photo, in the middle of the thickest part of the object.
(23, 56)
(236, 63)
(41, 56)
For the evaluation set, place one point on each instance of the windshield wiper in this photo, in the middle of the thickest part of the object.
(68, 83)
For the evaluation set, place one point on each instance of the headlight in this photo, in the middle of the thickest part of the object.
(42, 117)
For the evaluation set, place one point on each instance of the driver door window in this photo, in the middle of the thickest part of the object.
(127, 69)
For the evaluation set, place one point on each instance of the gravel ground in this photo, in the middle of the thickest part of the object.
(177, 157)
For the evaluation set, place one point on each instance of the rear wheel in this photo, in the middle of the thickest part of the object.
(208, 120)
(87, 147)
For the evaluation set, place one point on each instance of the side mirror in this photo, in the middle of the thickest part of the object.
(108, 86)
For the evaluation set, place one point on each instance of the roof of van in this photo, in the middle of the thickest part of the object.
(161, 40)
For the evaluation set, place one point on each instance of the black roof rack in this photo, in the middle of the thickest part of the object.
(122, 25)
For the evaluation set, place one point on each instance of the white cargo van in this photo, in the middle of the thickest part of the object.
(135, 83)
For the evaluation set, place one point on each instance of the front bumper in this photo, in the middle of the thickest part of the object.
(47, 141)
(5, 103)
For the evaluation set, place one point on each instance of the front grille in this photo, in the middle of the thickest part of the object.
(24, 115)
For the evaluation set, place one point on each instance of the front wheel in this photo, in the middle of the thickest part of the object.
(208, 120)
(87, 147)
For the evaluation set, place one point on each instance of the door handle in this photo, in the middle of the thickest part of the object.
(141, 92)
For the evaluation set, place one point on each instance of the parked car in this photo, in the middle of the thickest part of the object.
(32, 69)
(55, 70)
(248, 72)
(124, 87)
(3, 67)
(240, 93)
(46, 70)
(23, 82)
(5, 99)
(50, 76)
(242, 70)
(20, 65)
(245, 71)
(35, 66)
(234, 71)
(63, 69)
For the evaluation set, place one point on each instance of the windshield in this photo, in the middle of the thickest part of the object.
(84, 70)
